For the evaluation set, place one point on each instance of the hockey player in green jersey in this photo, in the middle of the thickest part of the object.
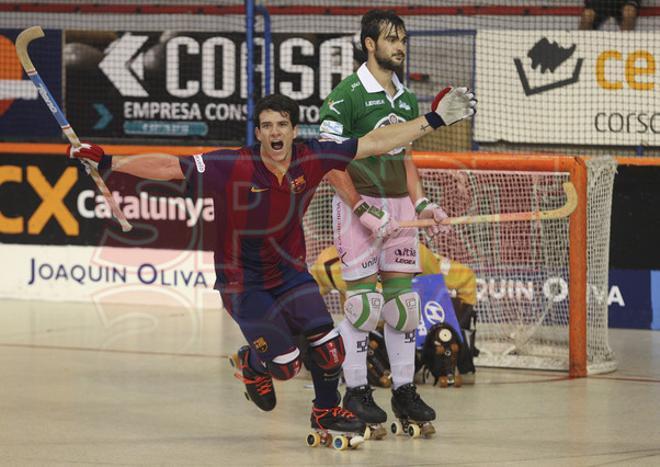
(371, 194)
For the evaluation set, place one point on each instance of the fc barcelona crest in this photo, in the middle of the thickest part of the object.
(260, 344)
(298, 184)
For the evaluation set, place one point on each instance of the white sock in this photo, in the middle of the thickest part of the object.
(355, 363)
(401, 352)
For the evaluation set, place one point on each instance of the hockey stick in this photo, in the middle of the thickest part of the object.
(559, 213)
(22, 42)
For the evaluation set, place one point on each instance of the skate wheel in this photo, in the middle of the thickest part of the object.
(414, 431)
(428, 429)
(355, 441)
(340, 442)
(386, 379)
(443, 382)
(458, 381)
(233, 360)
(313, 440)
(367, 433)
(396, 427)
(378, 432)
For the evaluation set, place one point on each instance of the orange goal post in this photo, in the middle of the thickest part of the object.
(541, 285)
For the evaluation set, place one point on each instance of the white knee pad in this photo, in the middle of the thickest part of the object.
(402, 312)
(362, 309)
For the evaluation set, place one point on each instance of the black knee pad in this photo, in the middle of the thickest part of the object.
(285, 367)
(328, 353)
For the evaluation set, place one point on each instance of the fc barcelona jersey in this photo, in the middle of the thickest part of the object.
(260, 240)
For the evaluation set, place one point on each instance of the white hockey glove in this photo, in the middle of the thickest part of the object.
(425, 209)
(375, 219)
(451, 105)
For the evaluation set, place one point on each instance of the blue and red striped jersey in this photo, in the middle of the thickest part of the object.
(260, 240)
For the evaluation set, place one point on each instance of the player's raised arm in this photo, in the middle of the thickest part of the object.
(149, 166)
(451, 105)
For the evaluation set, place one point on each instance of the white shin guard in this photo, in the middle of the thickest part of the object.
(356, 343)
(401, 352)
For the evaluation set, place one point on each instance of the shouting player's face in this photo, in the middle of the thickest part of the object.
(390, 52)
(276, 135)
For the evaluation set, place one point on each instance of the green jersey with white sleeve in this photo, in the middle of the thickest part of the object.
(358, 105)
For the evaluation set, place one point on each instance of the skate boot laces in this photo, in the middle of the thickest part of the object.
(335, 412)
(263, 383)
(409, 392)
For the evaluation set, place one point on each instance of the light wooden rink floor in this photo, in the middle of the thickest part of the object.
(144, 387)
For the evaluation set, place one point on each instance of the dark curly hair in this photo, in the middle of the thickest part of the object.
(277, 103)
(374, 21)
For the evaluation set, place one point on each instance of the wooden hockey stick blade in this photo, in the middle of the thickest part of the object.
(559, 213)
(22, 42)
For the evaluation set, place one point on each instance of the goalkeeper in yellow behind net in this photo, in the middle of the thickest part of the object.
(461, 282)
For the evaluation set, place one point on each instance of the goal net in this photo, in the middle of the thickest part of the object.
(541, 285)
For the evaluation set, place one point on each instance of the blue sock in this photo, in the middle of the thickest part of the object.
(325, 390)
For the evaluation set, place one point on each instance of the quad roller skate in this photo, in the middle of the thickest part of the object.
(414, 416)
(258, 387)
(335, 427)
(360, 401)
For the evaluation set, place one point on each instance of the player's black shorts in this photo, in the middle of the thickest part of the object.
(605, 9)
(269, 319)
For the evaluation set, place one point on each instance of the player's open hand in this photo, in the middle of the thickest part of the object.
(87, 153)
(426, 209)
(454, 105)
(378, 221)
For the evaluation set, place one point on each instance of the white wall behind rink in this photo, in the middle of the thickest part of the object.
(109, 275)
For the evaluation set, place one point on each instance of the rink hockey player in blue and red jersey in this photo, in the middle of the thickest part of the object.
(260, 195)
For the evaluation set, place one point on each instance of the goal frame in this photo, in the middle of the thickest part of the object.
(576, 169)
